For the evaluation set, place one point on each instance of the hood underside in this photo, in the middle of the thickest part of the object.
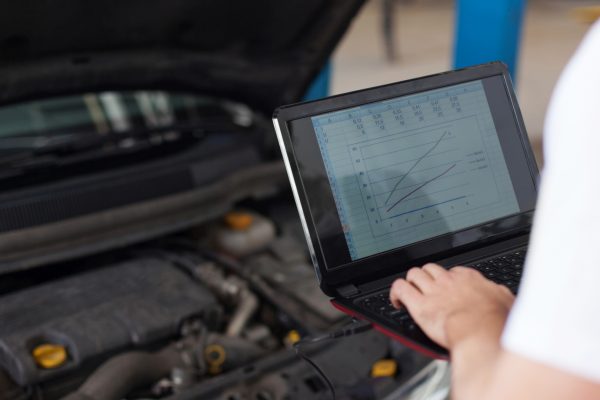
(264, 53)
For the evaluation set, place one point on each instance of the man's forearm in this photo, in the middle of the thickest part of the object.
(473, 365)
(474, 360)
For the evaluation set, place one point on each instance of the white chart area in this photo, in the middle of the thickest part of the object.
(413, 168)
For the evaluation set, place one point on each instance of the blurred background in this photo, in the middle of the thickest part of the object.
(422, 41)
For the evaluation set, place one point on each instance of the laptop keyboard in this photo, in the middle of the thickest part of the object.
(505, 269)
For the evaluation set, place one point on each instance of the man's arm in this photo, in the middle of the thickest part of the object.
(553, 332)
(464, 312)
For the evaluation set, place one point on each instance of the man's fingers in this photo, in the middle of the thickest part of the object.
(402, 292)
(435, 270)
(469, 272)
(420, 278)
(459, 269)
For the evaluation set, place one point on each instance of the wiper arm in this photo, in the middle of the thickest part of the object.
(48, 150)
(84, 141)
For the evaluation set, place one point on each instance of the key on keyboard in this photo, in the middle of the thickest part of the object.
(380, 303)
(505, 269)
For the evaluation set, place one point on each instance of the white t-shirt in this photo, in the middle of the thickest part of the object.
(556, 318)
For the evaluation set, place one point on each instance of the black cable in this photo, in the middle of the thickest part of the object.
(317, 369)
(353, 328)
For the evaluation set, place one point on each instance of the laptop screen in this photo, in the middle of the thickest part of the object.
(413, 175)
(411, 168)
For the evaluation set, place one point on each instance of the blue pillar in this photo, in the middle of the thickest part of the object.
(488, 30)
(320, 86)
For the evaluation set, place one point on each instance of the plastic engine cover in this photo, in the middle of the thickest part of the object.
(121, 306)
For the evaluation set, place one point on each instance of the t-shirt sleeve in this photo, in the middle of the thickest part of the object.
(556, 318)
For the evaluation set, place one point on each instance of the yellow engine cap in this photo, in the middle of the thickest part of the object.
(292, 337)
(238, 220)
(49, 355)
(215, 356)
(384, 368)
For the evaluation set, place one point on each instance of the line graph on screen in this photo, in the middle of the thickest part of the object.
(413, 168)
(404, 174)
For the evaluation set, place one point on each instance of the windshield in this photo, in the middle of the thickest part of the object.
(54, 138)
(38, 124)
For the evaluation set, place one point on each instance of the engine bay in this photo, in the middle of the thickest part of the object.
(211, 312)
(149, 246)
(169, 263)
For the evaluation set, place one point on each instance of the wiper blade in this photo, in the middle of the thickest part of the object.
(73, 143)
(45, 151)
(156, 135)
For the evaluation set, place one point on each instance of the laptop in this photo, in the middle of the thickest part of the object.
(433, 169)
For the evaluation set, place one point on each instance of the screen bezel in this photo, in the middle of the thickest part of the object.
(398, 260)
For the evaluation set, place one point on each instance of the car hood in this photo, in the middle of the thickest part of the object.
(263, 53)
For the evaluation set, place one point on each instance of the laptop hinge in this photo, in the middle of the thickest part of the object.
(348, 290)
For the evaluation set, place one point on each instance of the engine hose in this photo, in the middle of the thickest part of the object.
(247, 305)
(121, 374)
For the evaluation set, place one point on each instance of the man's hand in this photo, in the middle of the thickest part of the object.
(453, 305)
(464, 312)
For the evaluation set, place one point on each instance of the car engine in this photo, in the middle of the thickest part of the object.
(169, 263)
(180, 318)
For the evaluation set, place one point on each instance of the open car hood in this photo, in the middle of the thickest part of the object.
(263, 53)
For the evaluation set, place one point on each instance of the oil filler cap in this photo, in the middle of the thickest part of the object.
(49, 355)
(238, 221)
(215, 357)
(384, 368)
(292, 337)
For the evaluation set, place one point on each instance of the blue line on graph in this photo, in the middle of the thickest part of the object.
(423, 208)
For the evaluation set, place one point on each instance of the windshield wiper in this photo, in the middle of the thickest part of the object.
(45, 151)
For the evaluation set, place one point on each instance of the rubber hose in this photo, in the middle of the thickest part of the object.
(121, 374)
(247, 305)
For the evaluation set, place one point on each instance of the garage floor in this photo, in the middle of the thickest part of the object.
(424, 40)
